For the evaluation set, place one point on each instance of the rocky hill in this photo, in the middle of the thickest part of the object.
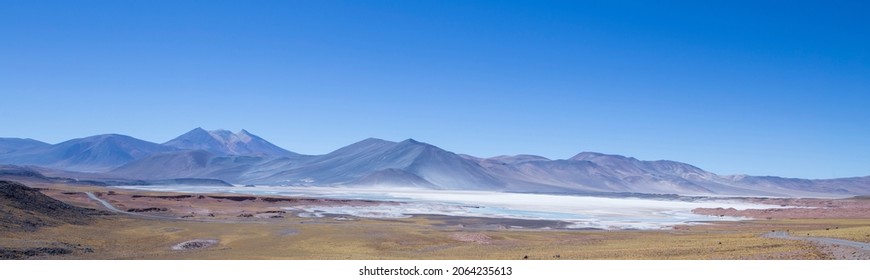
(23, 208)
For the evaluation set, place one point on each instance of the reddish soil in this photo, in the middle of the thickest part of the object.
(194, 206)
(799, 208)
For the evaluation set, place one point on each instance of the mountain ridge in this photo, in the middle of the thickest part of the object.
(225, 142)
(98, 153)
(244, 158)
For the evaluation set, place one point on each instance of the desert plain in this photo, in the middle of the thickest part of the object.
(141, 224)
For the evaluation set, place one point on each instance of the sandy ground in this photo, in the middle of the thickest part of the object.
(215, 226)
(838, 248)
(204, 207)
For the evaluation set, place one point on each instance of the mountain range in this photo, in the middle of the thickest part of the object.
(244, 158)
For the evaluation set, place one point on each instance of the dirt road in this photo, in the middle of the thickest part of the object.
(112, 208)
(839, 248)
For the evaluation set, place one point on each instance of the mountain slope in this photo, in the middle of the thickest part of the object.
(26, 209)
(92, 154)
(9, 145)
(243, 158)
(223, 142)
(840, 187)
(188, 164)
(596, 172)
(356, 161)
(393, 178)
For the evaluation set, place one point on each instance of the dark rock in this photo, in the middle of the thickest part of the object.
(150, 209)
(234, 198)
(24, 208)
(26, 253)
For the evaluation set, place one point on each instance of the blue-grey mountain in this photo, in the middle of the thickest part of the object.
(98, 153)
(223, 142)
(422, 163)
(244, 158)
(9, 145)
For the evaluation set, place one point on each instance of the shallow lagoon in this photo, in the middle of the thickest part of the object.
(580, 211)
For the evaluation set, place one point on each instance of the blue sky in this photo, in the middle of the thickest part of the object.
(734, 87)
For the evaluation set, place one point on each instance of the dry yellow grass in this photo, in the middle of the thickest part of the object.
(854, 233)
(297, 238)
(291, 237)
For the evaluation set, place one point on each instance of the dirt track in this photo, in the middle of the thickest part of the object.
(112, 208)
(839, 248)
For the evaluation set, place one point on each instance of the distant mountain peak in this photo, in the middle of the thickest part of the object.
(224, 136)
(368, 142)
(91, 154)
(590, 156)
(8, 145)
(412, 142)
(245, 136)
(243, 157)
(225, 142)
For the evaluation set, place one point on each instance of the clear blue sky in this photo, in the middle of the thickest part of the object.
(734, 87)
